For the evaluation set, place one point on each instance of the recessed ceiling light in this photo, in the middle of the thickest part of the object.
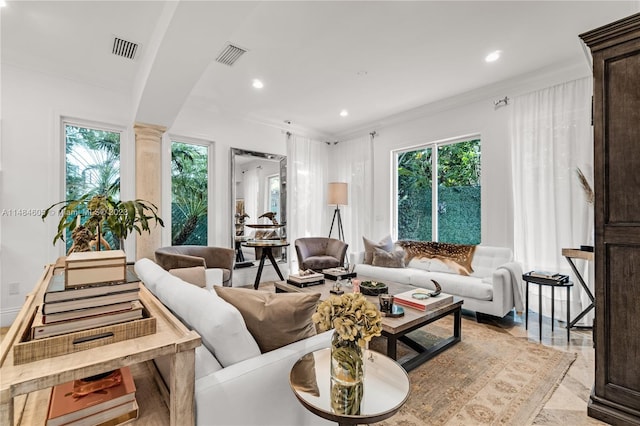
(493, 56)
(257, 83)
(3, 3)
(344, 113)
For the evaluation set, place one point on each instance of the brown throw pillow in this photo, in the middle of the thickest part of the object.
(394, 259)
(370, 247)
(194, 275)
(274, 320)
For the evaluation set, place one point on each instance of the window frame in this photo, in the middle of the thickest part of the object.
(268, 193)
(126, 163)
(434, 145)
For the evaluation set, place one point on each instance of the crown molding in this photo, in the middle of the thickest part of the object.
(519, 85)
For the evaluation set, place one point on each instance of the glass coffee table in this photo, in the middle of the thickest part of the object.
(386, 387)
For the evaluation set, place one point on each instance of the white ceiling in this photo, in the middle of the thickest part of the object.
(375, 59)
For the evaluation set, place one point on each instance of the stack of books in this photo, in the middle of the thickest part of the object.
(420, 299)
(545, 277)
(305, 280)
(336, 274)
(99, 400)
(68, 309)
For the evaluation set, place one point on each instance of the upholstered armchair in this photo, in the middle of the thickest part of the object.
(175, 257)
(319, 253)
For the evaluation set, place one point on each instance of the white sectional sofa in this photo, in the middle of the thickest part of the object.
(494, 287)
(235, 384)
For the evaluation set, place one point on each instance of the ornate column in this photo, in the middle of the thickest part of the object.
(148, 181)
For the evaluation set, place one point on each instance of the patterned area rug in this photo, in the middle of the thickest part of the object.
(490, 378)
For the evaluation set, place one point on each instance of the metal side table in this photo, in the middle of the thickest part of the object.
(553, 284)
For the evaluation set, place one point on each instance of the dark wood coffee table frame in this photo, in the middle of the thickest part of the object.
(395, 329)
(424, 354)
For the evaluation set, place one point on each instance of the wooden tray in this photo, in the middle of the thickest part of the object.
(33, 350)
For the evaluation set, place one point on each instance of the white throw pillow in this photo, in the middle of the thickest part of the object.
(219, 323)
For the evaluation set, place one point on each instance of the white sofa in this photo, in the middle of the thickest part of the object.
(234, 383)
(494, 288)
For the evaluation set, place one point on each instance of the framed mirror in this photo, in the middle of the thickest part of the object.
(258, 188)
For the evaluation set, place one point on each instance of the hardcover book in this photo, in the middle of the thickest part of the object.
(427, 304)
(57, 291)
(305, 283)
(94, 267)
(305, 278)
(90, 302)
(112, 398)
(87, 312)
(40, 330)
(546, 277)
(338, 274)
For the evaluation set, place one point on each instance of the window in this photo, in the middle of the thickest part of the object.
(92, 166)
(438, 192)
(189, 193)
(273, 203)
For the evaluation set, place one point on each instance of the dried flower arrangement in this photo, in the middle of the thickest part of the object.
(586, 187)
(351, 315)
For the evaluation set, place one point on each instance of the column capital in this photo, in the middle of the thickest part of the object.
(149, 131)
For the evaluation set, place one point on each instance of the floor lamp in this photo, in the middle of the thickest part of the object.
(337, 195)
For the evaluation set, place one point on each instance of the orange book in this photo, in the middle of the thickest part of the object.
(77, 399)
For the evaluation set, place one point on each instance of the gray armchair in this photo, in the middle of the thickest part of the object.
(319, 253)
(175, 257)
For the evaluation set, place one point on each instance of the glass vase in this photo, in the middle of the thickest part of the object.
(347, 375)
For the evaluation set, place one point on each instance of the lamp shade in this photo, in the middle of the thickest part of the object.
(337, 194)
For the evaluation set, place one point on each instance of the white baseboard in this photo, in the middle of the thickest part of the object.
(8, 315)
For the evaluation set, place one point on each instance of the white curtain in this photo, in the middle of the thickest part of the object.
(352, 162)
(551, 139)
(307, 163)
(250, 190)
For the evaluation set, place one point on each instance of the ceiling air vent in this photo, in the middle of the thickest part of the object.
(230, 54)
(124, 48)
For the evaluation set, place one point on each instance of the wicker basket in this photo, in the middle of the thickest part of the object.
(33, 350)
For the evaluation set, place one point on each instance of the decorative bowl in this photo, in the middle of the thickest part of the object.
(373, 288)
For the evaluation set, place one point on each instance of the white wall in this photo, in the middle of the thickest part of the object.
(469, 114)
(477, 118)
(227, 132)
(32, 105)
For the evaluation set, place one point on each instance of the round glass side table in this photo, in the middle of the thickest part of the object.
(386, 387)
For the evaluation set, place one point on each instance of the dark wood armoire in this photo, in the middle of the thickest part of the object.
(615, 49)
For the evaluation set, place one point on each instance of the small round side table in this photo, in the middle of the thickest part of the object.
(386, 387)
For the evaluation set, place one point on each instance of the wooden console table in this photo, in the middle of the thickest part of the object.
(570, 254)
(171, 338)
